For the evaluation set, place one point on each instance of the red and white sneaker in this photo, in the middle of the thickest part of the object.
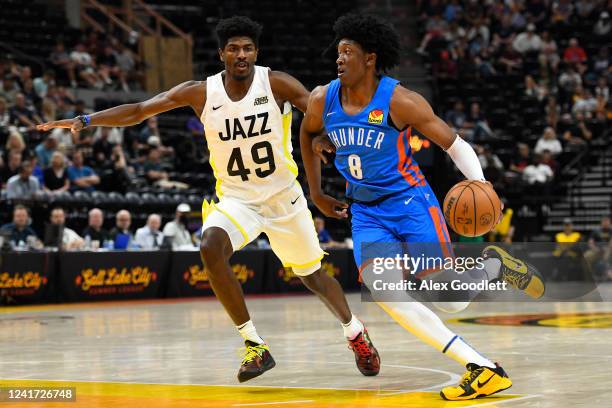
(366, 355)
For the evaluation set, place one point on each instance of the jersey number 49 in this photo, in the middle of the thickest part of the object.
(262, 154)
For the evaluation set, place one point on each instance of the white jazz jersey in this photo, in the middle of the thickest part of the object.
(249, 140)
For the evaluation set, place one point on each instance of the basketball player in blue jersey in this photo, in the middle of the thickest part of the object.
(246, 112)
(368, 117)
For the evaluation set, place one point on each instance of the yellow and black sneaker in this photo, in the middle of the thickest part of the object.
(516, 272)
(478, 382)
(256, 361)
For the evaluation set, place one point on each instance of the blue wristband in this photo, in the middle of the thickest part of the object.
(85, 120)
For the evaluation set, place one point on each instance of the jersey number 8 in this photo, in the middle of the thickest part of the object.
(235, 165)
(354, 163)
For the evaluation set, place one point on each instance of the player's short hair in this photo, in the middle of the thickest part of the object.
(237, 26)
(373, 35)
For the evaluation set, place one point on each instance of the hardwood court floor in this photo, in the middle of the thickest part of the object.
(183, 354)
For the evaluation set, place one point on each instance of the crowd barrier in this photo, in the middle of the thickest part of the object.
(52, 277)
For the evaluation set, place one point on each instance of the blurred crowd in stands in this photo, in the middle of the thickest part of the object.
(19, 235)
(513, 63)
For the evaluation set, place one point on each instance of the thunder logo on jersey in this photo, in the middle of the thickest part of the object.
(373, 156)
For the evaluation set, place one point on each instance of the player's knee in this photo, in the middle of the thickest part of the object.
(215, 246)
(314, 282)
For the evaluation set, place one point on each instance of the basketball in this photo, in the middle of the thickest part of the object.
(472, 208)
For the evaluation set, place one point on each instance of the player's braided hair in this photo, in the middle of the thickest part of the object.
(237, 26)
(373, 35)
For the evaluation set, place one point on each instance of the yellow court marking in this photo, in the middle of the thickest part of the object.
(106, 394)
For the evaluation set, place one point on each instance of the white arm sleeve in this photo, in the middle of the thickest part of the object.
(465, 159)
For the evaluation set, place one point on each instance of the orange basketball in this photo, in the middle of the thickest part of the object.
(472, 208)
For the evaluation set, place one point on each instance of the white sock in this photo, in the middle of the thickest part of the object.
(248, 332)
(462, 352)
(493, 267)
(424, 324)
(352, 328)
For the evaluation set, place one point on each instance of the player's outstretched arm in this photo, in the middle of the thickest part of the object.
(190, 93)
(408, 108)
(312, 125)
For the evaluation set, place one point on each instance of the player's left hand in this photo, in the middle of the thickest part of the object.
(322, 144)
(330, 207)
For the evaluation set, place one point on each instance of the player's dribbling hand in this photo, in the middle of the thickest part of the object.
(322, 144)
(75, 125)
(330, 207)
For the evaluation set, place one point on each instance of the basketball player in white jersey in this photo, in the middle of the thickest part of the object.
(246, 112)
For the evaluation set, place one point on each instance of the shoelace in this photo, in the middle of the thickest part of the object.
(516, 278)
(469, 377)
(361, 347)
(251, 352)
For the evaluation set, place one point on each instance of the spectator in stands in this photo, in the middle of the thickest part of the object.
(549, 160)
(177, 229)
(48, 111)
(70, 239)
(16, 143)
(85, 67)
(528, 41)
(95, 232)
(62, 61)
(549, 58)
(22, 115)
(122, 173)
(55, 176)
(9, 89)
(578, 132)
(5, 119)
(602, 93)
(102, 148)
(476, 127)
(11, 167)
(153, 168)
(109, 68)
(435, 27)
(566, 240)
(511, 60)
(45, 150)
(325, 239)
(552, 110)
(599, 241)
(603, 26)
(23, 186)
(575, 55)
(149, 236)
(549, 142)
(538, 176)
(121, 235)
(522, 160)
(151, 129)
(195, 126)
(32, 99)
(41, 84)
(534, 90)
(504, 34)
(584, 102)
(125, 61)
(602, 63)
(81, 177)
(456, 117)
(569, 81)
(20, 232)
(65, 138)
(492, 166)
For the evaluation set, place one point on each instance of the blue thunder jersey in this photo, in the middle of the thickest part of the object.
(373, 156)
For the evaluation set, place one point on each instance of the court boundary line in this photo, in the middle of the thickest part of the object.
(504, 401)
